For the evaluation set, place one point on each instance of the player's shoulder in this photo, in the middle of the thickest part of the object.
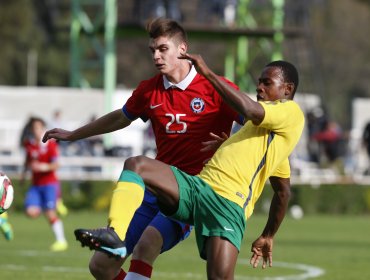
(287, 106)
(282, 103)
(52, 143)
(201, 80)
(293, 104)
(229, 82)
(151, 82)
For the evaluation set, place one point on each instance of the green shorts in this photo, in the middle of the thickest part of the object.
(210, 213)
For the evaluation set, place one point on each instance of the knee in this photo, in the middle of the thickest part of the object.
(33, 212)
(220, 274)
(215, 276)
(136, 164)
(146, 250)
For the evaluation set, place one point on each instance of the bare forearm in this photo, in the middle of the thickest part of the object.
(236, 99)
(53, 166)
(110, 122)
(277, 212)
(279, 204)
(244, 105)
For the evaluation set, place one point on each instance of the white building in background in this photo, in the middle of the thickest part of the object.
(18, 104)
(360, 117)
(77, 106)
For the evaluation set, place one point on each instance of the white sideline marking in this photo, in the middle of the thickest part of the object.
(62, 269)
(307, 270)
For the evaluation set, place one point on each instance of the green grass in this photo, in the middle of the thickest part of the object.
(338, 245)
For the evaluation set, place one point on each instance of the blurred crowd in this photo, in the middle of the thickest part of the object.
(221, 12)
(329, 146)
(326, 144)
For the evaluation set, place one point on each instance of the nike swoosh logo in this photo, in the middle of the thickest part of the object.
(228, 229)
(154, 106)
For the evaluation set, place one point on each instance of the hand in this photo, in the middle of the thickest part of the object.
(262, 248)
(58, 134)
(214, 144)
(198, 63)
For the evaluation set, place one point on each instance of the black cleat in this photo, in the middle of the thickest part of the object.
(102, 239)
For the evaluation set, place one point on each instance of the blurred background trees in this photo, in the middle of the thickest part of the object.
(35, 46)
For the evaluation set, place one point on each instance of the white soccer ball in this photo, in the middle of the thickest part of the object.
(6, 193)
(296, 212)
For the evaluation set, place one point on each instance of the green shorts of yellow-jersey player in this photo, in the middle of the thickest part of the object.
(210, 213)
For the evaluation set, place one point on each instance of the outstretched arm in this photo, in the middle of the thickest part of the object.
(110, 122)
(262, 247)
(244, 105)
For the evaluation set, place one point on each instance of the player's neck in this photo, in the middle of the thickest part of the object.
(179, 74)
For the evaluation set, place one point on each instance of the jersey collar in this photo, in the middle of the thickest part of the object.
(184, 83)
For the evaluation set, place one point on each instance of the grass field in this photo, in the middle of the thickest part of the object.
(315, 247)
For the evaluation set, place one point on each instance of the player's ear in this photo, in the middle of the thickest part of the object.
(289, 88)
(183, 47)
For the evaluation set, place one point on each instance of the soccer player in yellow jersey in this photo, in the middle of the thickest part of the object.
(219, 200)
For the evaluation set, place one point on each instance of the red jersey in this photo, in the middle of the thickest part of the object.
(181, 118)
(44, 153)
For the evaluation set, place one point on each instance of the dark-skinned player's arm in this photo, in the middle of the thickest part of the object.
(241, 102)
(110, 122)
(262, 246)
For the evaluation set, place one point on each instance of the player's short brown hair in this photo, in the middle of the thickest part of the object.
(166, 27)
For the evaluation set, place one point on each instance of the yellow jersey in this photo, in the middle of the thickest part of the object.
(241, 166)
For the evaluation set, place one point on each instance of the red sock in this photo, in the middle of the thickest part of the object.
(53, 220)
(121, 275)
(141, 268)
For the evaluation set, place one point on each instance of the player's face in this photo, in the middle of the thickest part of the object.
(165, 52)
(38, 130)
(271, 85)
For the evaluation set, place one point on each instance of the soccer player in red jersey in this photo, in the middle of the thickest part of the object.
(183, 108)
(42, 160)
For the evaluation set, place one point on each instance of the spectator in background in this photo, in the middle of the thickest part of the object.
(149, 9)
(217, 12)
(366, 144)
(26, 133)
(316, 119)
(330, 140)
(56, 120)
(42, 160)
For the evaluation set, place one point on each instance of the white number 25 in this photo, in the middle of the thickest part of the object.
(175, 119)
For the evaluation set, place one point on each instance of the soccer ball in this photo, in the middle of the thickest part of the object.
(6, 193)
(296, 212)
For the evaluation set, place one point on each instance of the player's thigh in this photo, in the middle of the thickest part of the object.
(33, 198)
(156, 174)
(221, 258)
(103, 266)
(48, 196)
